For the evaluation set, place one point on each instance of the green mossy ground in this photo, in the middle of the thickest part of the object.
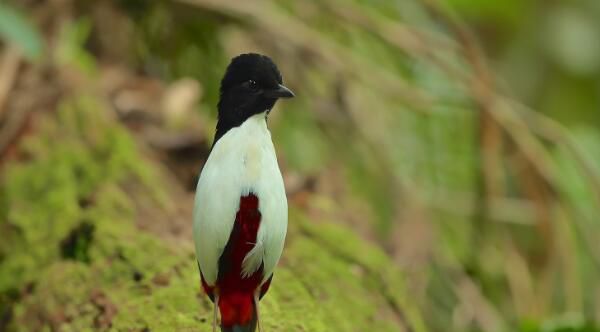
(72, 258)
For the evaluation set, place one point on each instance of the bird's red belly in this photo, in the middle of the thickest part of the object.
(234, 291)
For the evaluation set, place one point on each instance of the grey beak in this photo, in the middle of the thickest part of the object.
(280, 92)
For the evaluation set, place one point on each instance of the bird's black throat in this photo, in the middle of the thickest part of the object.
(252, 84)
(232, 118)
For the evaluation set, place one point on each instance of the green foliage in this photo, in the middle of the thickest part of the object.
(59, 180)
(356, 113)
(124, 279)
(565, 323)
(76, 245)
(390, 105)
(70, 50)
(507, 13)
(17, 30)
(183, 46)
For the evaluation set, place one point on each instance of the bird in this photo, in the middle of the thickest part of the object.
(240, 208)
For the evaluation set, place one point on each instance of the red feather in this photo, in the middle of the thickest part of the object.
(236, 293)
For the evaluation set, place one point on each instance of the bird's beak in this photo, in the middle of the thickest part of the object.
(279, 92)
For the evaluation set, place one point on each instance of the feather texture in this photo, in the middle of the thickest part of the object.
(242, 162)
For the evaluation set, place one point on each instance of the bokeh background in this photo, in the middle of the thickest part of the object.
(442, 162)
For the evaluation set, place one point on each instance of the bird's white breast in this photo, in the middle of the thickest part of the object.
(243, 161)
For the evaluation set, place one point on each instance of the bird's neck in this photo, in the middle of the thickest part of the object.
(224, 124)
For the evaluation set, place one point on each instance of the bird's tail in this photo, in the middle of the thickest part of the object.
(238, 313)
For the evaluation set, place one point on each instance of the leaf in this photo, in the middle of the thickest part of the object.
(71, 49)
(16, 29)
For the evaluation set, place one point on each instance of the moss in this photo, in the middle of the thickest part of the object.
(75, 261)
(315, 289)
(370, 275)
(76, 245)
(70, 161)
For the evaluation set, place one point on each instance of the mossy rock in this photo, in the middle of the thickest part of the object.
(74, 260)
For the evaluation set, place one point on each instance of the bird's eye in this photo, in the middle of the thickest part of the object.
(252, 84)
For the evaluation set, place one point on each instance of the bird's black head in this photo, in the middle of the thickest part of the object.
(251, 85)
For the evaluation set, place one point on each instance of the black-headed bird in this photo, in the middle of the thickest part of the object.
(240, 211)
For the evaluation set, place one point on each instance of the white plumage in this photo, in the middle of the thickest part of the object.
(243, 161)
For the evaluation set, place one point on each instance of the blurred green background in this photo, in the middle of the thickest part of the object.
(458, 140)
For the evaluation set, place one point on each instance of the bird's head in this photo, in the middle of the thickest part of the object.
(251, 85)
